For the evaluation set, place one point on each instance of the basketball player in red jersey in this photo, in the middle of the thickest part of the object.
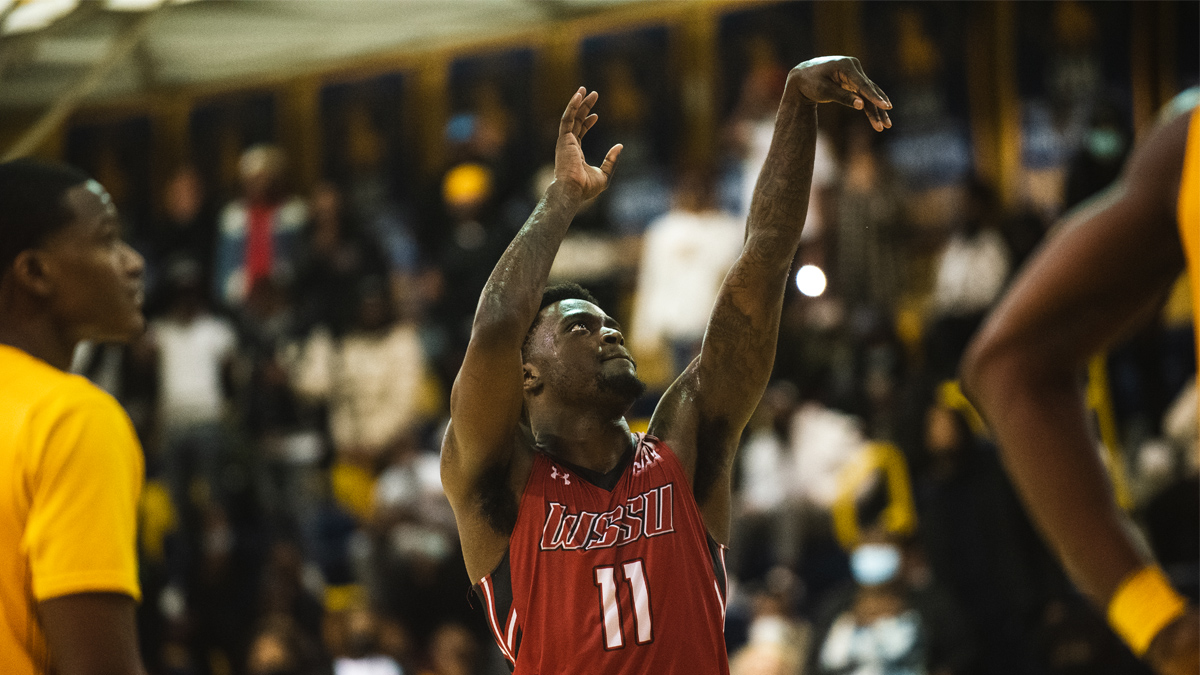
(596, 550)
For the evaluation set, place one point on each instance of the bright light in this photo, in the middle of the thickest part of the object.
(139, 5)
(131, 5)
(810, 280)
(37, 14)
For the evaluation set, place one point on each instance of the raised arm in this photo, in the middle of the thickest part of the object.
(486, 400)
(702, 415)
(1109, 264)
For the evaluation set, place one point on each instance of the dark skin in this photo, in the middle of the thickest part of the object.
(576, 346)
(1106, 271)
(82, 283)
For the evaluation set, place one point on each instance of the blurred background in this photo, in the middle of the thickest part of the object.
(320, 190)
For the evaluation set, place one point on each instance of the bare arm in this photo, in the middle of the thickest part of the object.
(702, 415)
(91, 634)
(486, 400)
(1110, 262)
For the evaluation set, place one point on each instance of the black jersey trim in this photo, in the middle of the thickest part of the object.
(605, 481)
(500, 607)
(718, 563)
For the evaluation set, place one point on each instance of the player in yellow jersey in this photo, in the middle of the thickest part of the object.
(70, 465)
(1107, 268)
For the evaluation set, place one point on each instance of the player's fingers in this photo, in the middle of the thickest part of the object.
(876, 116)
(567, 123)
(588, 124)
(845, 92)
(585, 108)
(610, 161)
(868, 88)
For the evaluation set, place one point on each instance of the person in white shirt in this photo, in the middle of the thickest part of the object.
(686, 254)
(371, 379)
(194, 349)
(972, 271)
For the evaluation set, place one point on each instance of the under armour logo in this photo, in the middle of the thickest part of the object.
(565, 476)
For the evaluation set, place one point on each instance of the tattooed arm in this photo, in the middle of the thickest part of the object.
(702, 415)
(486, 400)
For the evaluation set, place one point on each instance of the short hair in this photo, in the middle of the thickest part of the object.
(565, 291)
(32, 207)
(262, 157)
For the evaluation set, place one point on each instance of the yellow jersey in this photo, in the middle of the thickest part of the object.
(71, 472)
(1189, 214)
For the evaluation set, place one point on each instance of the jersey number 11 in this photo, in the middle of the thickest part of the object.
(635, 577)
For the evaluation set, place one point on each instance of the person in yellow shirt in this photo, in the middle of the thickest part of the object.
(1110, 265)
(70, 465)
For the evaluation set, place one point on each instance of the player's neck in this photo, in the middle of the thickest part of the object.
(590, 441)
(40, 339)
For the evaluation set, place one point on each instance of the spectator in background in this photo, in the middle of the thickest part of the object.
(765, 533)
(415, 559)
(753, 121)
(258, 233)
(686, 254)
(491, 142)
(280, 648)
(362, 653)
(644, 191)
(971, 272)
(752, 126)
(194, 350)
(870, 235)
(285, 431)
(885, 624)
(285, 592)
(187, 228)
(778, 643)
(453, 651)
(979, 544)
(371, 379)
(472, 245)
(333, 258)
(377, 200)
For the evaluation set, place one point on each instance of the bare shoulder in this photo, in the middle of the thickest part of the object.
(676, 418)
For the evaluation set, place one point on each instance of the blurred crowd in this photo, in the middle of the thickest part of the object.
(292, 386)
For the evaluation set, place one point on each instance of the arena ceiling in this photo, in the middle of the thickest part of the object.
(98, 50)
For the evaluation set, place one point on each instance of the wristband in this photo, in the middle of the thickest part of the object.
(1142, 606)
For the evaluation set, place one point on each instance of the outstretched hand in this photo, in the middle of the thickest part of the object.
(840, 79)
(570, 167)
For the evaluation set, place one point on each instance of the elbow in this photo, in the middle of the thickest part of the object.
(497, 322)
(1002, 366)
(497, 333)
(988, 365)
(979, 356)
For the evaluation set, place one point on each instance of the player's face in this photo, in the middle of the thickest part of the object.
(95, 287)
(580, 352)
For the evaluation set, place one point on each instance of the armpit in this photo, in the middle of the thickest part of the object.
(496, 502)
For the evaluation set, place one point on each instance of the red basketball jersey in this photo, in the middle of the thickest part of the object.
(621, 581)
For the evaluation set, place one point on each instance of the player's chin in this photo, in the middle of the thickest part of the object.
(623, 384)
(126, 326)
